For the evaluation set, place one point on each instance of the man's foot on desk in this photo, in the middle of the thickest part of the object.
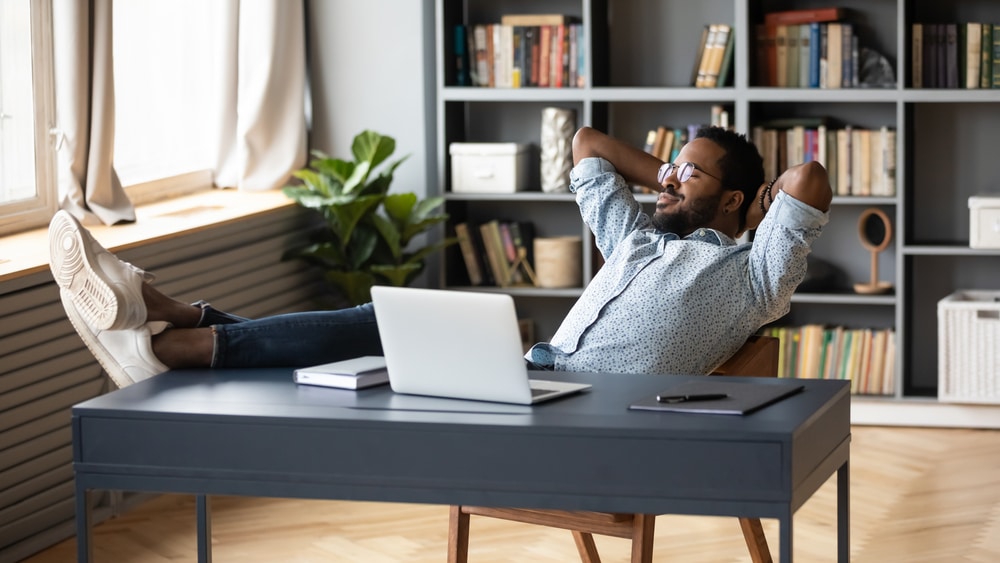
(103, 298)
(126, 355)
(105, 291)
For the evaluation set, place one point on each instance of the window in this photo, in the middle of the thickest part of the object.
(168, 57)
(27, 157)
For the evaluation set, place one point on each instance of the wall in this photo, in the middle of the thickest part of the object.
(368, 71)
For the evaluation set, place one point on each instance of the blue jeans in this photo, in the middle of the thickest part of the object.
(291, 339)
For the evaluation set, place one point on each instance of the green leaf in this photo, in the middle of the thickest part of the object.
(390, 234)
(399, 206)
(348, 214)
(398, 275)
(356, 286)
(373, 148)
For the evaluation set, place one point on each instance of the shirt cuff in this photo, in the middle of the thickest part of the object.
(790, 211)
(588, 168)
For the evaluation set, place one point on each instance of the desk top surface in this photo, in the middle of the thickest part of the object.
(259, 395)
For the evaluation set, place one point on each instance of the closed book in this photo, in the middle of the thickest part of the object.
(356, 373)
(917, 64)
(700, 54)
(951, 55)
(725, 69)
(805, 49)
(996, 56)
(795, 17)
(469, 253)
(986, 64)
(781, 56)
(834, 55)
(814, 52)
(537, 19)
(973, 53)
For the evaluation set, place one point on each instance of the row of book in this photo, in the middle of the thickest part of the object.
(859, 161)
(810, 48)
(522, 50)
(865, 356)
(956, 55)
(496, 252)
(714, 62)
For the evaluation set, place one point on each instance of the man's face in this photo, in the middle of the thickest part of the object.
(686, 206)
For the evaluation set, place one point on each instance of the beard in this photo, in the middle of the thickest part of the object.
(684, 221)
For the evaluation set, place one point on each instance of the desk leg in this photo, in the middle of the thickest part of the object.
(84, 551)
(204, 529)
(785, 539)
(844, 512)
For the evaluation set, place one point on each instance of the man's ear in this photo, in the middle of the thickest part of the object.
(733, 201)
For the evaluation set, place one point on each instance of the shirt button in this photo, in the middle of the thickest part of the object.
(701, 232)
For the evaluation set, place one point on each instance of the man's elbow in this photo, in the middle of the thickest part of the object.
(585, 143)
(812, 185)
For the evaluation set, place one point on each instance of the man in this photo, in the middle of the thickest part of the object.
(676, 293)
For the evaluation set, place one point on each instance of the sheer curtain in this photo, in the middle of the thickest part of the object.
(85, 107)
(259, 131)
(263, 87)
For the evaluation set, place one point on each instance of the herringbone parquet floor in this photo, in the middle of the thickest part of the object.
(917, 495)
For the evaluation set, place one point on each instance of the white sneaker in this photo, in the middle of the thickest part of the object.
(106, 292)
(126, 355)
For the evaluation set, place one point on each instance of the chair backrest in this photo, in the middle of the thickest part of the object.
(757, 357)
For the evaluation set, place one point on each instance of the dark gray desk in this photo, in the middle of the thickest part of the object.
(255, 433)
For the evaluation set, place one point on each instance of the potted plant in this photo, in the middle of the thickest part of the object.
(367, 232)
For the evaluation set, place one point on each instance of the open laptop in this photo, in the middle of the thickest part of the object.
(457, 344)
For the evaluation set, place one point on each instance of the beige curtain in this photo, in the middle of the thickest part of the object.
(85, 105)
(263, 84)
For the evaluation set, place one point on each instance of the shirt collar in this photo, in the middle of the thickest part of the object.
(710, 236)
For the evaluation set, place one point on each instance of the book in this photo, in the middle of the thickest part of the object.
(742, 397)
(986, 64)
(469, 253)
(781, 56)
(700, 55)
(718, 52)
(917, 64)
(951, 55)
(792, 59)
(355, 373)
(706, 56)
(795, 17)
(725, 68)
(996, 56)
(834, 55)
(538, 19)
(805, 53)
(461, 58)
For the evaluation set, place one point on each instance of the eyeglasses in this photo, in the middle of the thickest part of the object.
(684, 171)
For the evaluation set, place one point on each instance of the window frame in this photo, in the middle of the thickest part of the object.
(35, 211)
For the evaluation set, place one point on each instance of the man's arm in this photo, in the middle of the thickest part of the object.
(635, 165)
(808, 183)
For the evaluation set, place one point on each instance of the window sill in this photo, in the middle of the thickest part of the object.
(27, 253)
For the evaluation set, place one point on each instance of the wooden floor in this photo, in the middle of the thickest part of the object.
(916, 495)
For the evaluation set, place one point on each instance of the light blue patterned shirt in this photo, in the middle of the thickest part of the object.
(670, 305)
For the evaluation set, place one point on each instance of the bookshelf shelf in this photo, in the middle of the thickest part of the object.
(638, 58)
(845, 299)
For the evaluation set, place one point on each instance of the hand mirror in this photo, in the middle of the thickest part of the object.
(875, 232)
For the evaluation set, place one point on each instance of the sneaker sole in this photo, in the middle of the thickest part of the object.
(80, 324)
(95, 300)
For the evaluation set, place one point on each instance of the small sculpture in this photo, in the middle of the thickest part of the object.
(875, 232)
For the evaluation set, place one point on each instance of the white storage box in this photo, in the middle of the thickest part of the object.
(984, 221)
(488, 167)
(969, 347)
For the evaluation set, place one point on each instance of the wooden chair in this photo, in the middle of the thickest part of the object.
(757, 357)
